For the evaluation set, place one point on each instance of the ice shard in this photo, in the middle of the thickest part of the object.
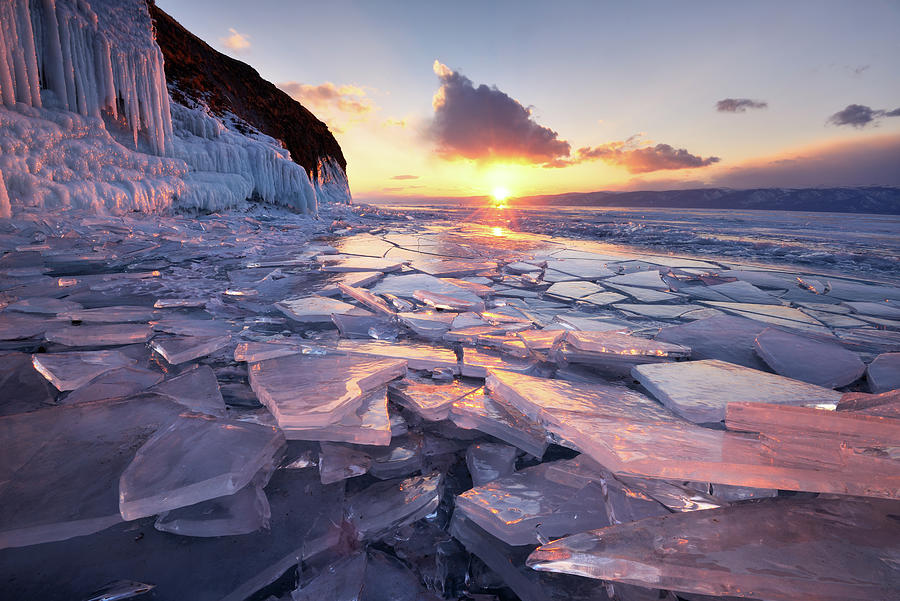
(243, 512)
(339, 462)
(60, 467)
(313, 391)
(630, 434)
(370, 424)
(488, 461)
(418, 355)
(802, 358)
(699, 390)
(537, 503)
(784, 549)
(603, 348)
(479, 411)
(114, 384)
(364, 297)
(390, 504)
(316, 309)
(68, 371)
(428, 398)
(885, 403)
(105, 335)
(180, 349)
(447, 301)
(122, 314)
(196, 389)
(883, 373)
(725, 337)
(195, 459)
(573, 290)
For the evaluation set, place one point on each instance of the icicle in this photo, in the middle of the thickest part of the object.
(53, 60)
(7, 90)
(30, 57)
(5, 207)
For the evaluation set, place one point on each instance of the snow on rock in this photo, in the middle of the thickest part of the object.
(87, 122)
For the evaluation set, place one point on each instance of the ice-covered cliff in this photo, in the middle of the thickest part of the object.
(87, 122)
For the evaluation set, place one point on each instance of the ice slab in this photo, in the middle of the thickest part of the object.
(365, 326)
(582, 268)
(641, 279)
(802, 358)
(428, 398)
(369, 300)
(418, 355)
(830, 434)
(428, 324)
(405, 286)
(343, 263)
(316, 309)
(780, 549)
(877, 309)
(886, 403)
(657, 311)
(393, 503)
(122, 314)
(781, 316)
(180, 349)
(342, 580)
(245, 511)
(18, 326)
(613, 347)
(488, 461)
(603, 298)
(589, 322)
(573, 290)
(479, 411)
(114, 384)
(537, 503)
(369, 425)
(197, 389)
(42, 305)
(106, 335)
(402, 458)
(179, 303)
(339, 462)
(630, 434)
(883, 373)
(60, 467)
(195, 459)
(252, 352)
(22, 388)
(358, 279)
(447, 301)
(699, 390)
(745, 292)
(452, 267)
(478, 288)
(314, 391)
(723, 337)
(68, 371)
(476, 363)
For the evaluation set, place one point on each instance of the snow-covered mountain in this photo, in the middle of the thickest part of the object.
(88, 121)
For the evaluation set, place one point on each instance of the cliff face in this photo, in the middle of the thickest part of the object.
(196, 72)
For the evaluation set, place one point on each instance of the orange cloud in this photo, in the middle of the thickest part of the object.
(236, 42)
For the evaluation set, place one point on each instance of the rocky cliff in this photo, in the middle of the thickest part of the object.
(197, 72)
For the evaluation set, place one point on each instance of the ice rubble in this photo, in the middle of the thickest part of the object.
(87, 122)
(276, 438)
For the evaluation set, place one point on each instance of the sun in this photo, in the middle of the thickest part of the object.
(500, 195)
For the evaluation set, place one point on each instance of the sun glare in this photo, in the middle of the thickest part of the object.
(500, 194)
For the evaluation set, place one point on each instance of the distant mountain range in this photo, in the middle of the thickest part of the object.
(881, 200)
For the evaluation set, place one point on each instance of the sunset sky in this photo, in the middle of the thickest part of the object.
(457, 99)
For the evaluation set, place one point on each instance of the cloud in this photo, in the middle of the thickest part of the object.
(484, 123)
(638, 157)
(739, 105)
(405, 177)
(860, 115)
(867, 162)
(345, 99)
(236, 42)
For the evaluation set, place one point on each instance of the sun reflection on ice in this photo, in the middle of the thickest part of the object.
(498, 231)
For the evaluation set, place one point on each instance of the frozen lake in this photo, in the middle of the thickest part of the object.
(856, 245)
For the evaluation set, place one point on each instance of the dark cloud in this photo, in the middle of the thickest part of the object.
(483, 123)
(860, 115)
(405, 177)
(869, 162)
(739, 105)
(637, 158)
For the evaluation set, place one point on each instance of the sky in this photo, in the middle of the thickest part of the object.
(457, 99)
